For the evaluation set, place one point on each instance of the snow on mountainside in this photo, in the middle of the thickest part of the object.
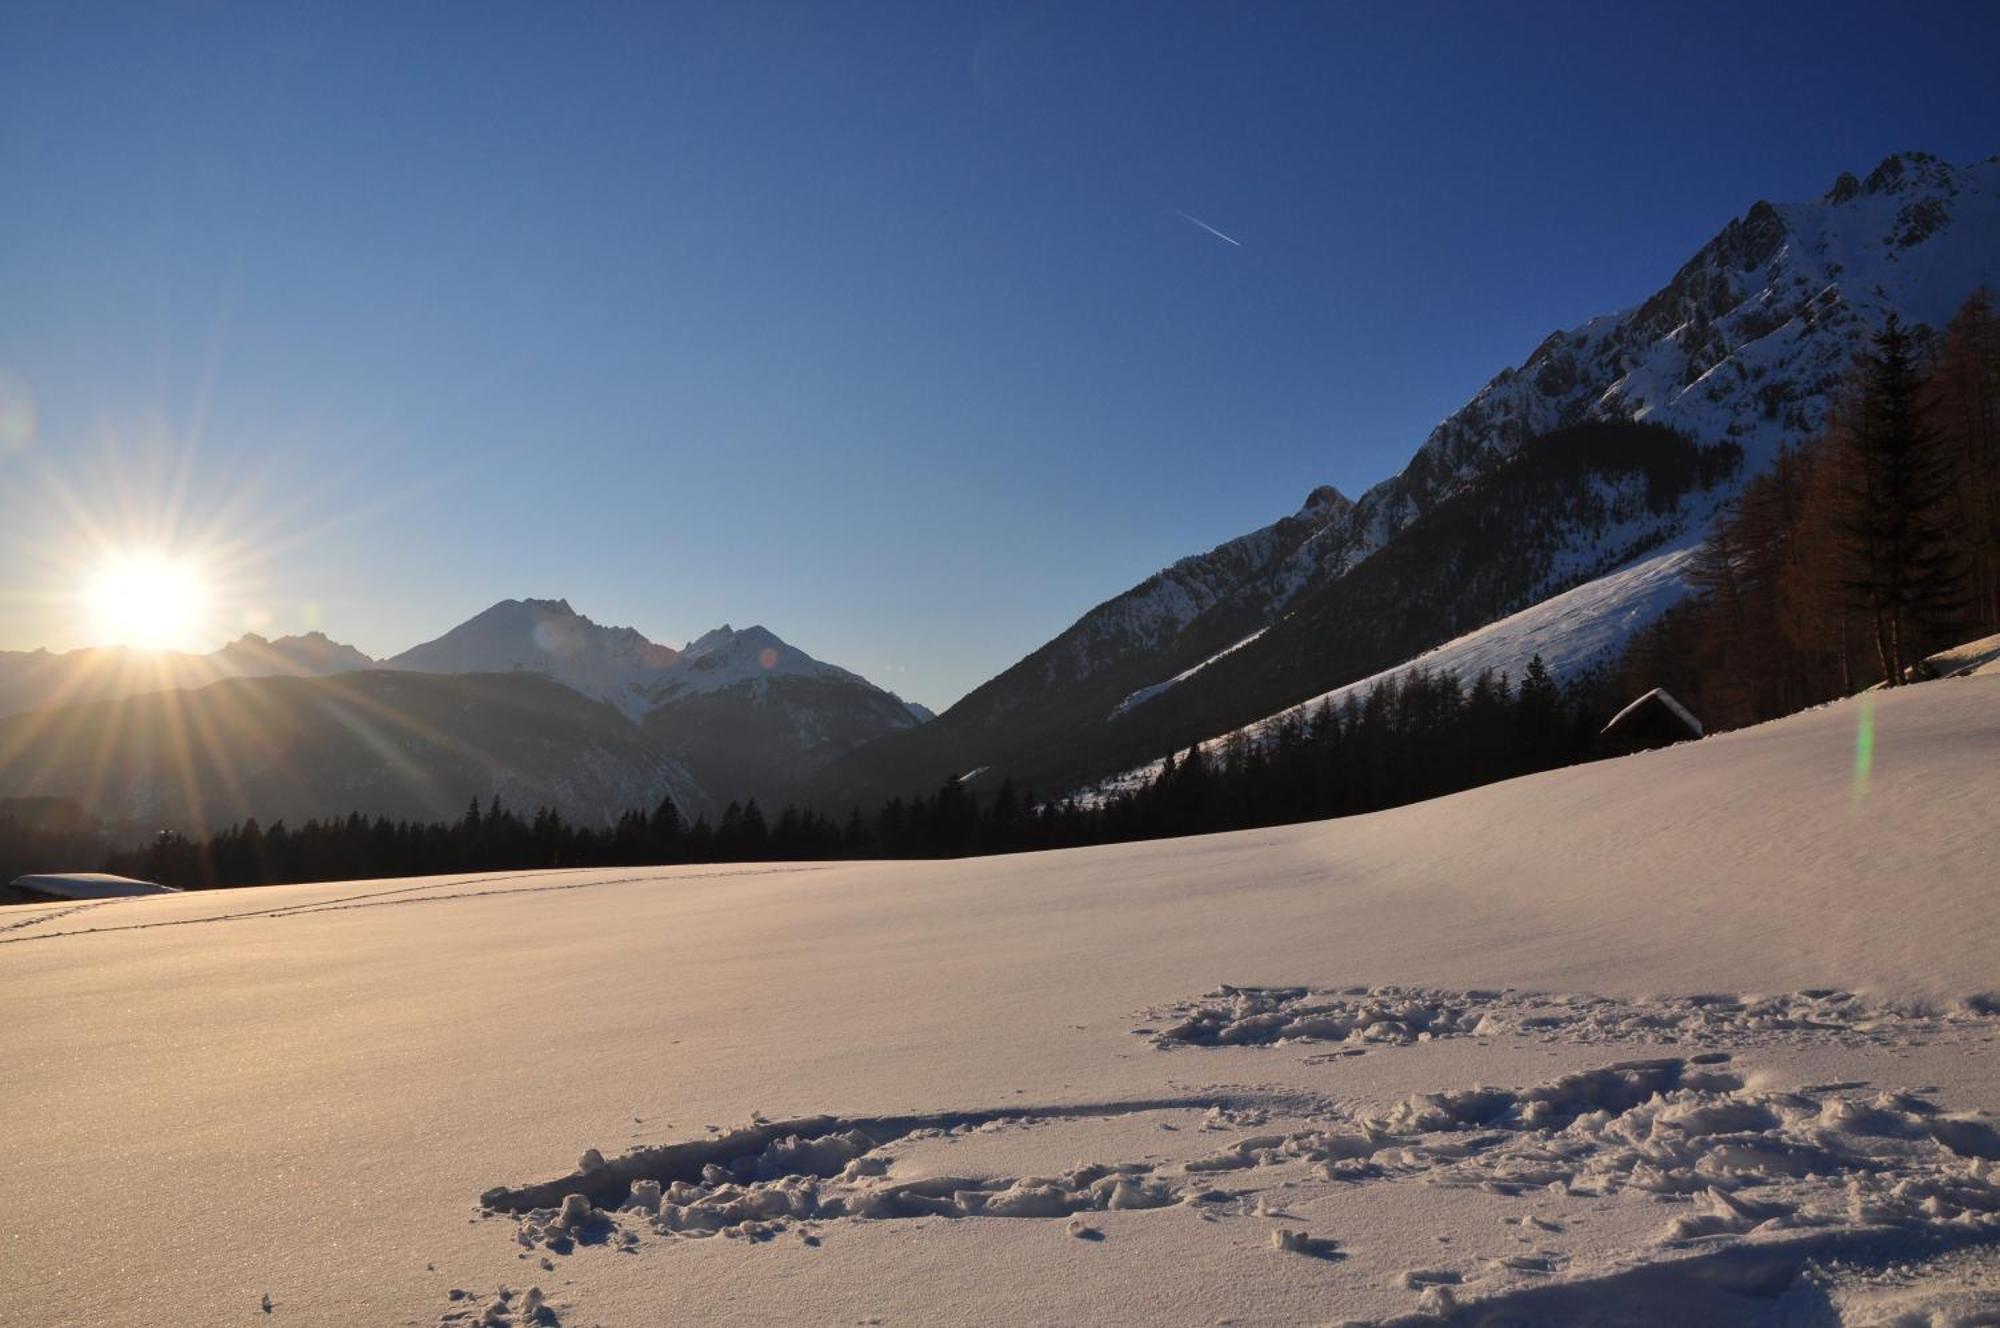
(726, 657)
(1747, 345)
(1145, 694)
(614, 664)
(1257, 572)
(1570, 631)
(1742, 350)
(619, 665)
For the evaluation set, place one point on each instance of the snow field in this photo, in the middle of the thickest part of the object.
(1497, 1055)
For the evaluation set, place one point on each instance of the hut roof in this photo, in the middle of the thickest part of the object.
(1661, 696)
(86, 885)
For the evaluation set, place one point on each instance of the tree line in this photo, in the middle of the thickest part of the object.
(1861, 551)
(1413, 736)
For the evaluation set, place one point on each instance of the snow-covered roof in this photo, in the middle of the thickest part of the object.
(1981, 656)
(1665, 698)
(87, 885)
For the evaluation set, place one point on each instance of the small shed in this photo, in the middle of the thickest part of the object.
(1654, 720)
(76, 887)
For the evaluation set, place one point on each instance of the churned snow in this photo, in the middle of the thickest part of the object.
(1706, 1032)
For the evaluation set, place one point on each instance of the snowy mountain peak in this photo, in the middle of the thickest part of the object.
(727, 639)
(1845, 187)
(1901, 172)
(613, 664)
(710, 640)
(751, 714)
(1325, 500)
(725, 657)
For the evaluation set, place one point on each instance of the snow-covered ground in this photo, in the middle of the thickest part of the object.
(1732, 1002)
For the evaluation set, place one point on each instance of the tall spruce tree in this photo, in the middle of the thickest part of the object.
(1903, 563)
(1965, 400)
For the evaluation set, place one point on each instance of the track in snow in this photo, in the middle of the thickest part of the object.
(444, 891)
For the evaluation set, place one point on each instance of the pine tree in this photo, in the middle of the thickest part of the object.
(855, 837)
(1903, 573)
(1965, 402)
(756, 842)
(1538, 717)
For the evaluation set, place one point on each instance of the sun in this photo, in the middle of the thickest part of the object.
(148, 599)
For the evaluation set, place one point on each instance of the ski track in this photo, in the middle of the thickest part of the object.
(1761, 1189)
(38, 920)
(401, 895)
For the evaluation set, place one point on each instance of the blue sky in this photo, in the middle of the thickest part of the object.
(877, 324)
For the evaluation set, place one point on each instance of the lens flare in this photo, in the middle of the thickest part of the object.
(17, 413)
(147, 599)
(1864, 746)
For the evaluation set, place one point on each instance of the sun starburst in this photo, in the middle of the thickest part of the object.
(149, 598)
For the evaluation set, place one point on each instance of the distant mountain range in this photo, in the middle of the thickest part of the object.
(39, 679)
(555, 710)
(393, 743)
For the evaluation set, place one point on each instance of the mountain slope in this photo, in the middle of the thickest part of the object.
(399, 744)
(1173, 621)
(1744, 347)
(750, 715)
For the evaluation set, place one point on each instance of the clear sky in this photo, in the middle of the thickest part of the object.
(888, 326)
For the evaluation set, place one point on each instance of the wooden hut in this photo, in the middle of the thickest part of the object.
(1654, 720)
(70, 887)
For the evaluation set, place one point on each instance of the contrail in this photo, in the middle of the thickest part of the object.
(1205, 226)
